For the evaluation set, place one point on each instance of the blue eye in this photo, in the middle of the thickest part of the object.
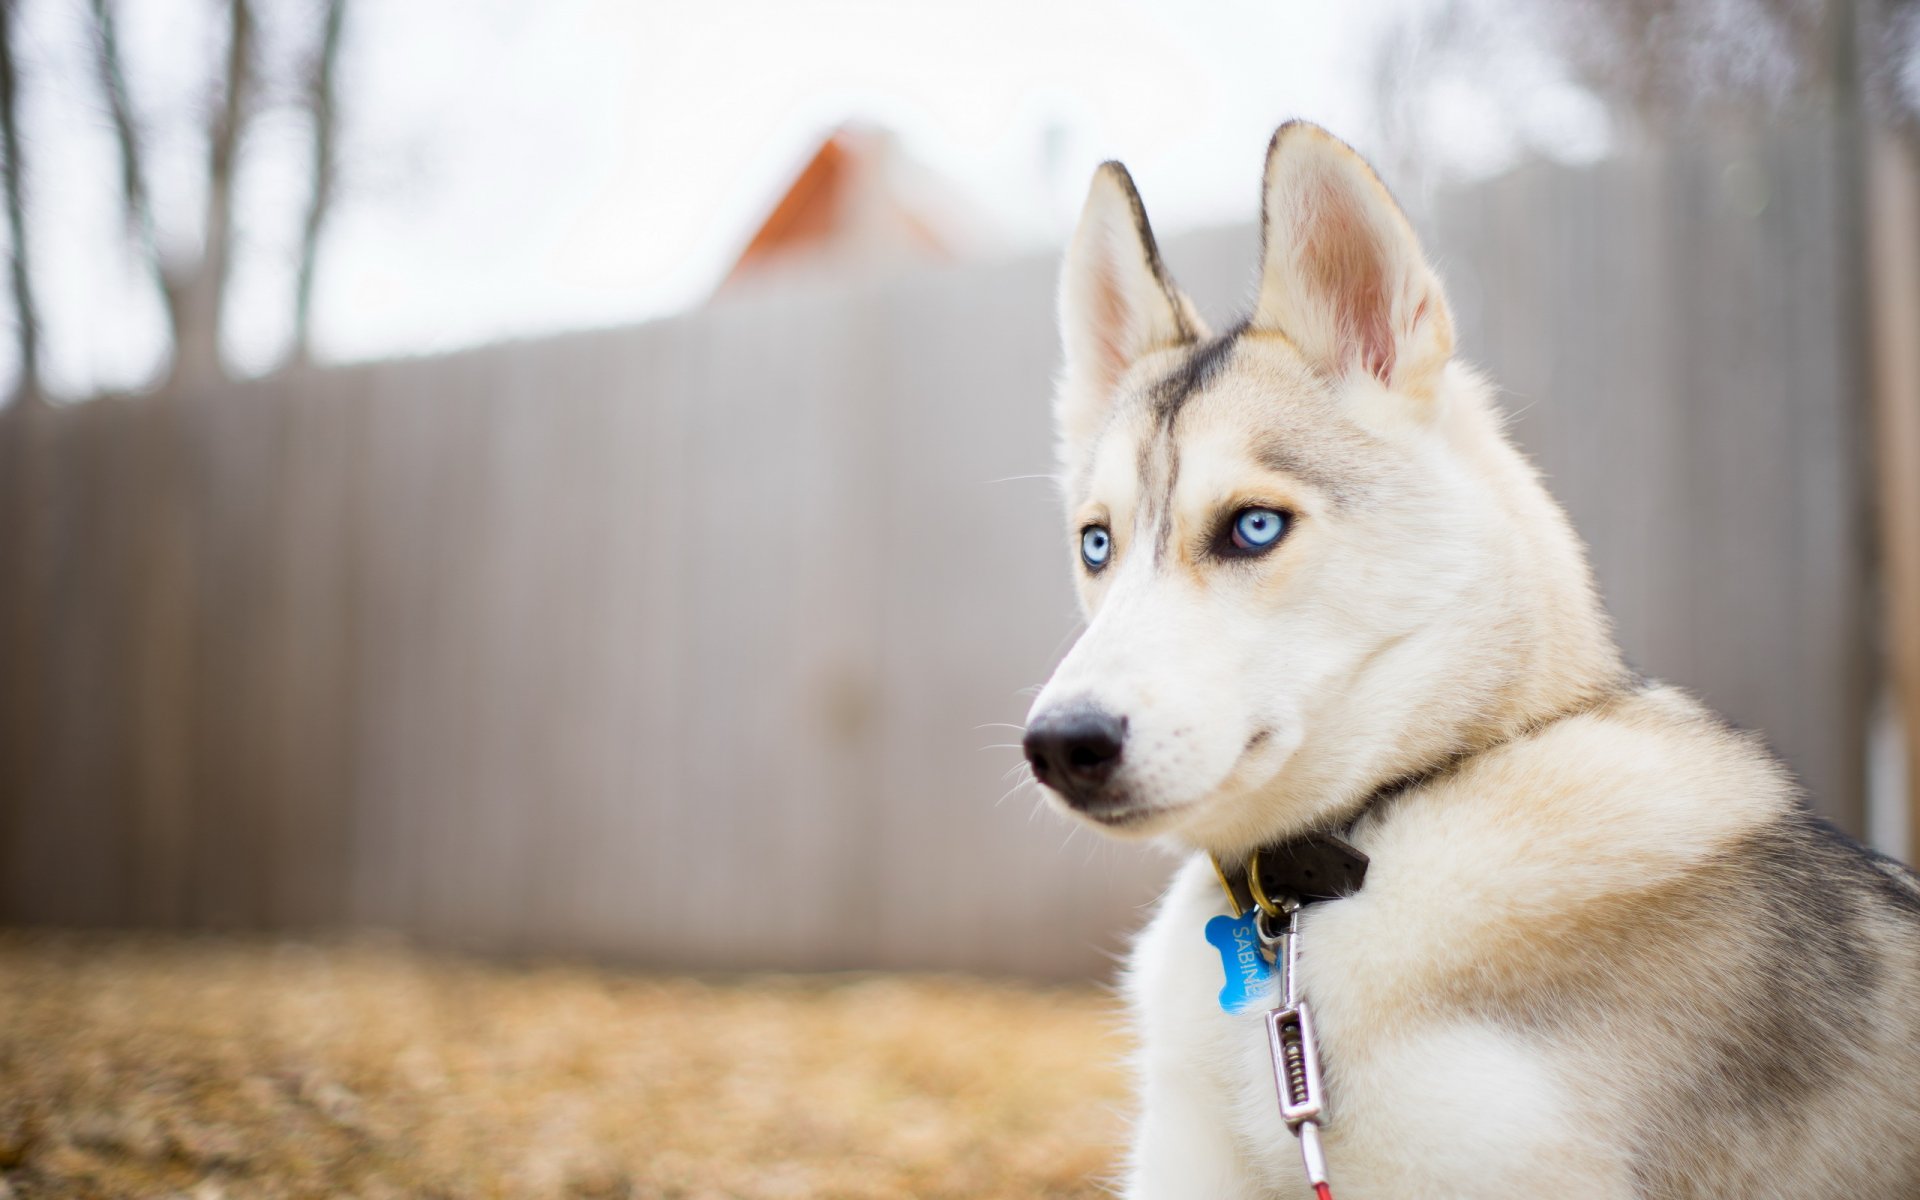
(1096, 546)
(1255, 529)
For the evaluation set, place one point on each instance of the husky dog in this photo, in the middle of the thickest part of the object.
(1601, 949)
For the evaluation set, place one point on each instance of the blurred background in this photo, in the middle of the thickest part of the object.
(564, 476)
(572, 478)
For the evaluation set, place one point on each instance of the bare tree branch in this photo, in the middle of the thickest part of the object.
(197, 352)
(25, 312)
(1668, 55)
(320, 199)
(133, 179)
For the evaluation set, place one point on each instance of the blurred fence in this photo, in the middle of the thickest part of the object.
(685, 644)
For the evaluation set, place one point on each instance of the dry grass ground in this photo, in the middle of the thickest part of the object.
(204, 1068)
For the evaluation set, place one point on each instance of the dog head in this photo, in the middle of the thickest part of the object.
(1309, 559)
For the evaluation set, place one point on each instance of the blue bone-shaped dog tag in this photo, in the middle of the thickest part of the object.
(1247, 970)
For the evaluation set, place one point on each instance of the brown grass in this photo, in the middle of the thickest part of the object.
(146, 1067)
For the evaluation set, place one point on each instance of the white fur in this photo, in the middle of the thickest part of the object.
(1440, 1108)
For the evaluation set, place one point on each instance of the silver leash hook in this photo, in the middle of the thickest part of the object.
(1291, 1043)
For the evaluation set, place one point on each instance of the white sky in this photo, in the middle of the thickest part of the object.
(514, 168)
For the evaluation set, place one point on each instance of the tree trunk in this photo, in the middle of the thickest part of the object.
(320, 199)
(197, 348)
(25, 313)
(133, 176)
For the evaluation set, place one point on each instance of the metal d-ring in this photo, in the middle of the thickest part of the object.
(1259, 894)
(1233, 901)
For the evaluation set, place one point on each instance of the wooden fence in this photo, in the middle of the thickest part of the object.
(686, 644)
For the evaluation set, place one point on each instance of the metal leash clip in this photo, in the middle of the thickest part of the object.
(1290, 1041)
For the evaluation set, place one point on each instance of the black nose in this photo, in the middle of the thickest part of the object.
(1075, 750)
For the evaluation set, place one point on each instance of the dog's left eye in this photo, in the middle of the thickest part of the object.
(1253, 530)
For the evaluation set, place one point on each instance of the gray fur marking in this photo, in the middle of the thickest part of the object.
(1167, 397)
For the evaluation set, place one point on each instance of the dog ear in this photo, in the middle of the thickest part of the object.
(1116, 302)
(1341, 273)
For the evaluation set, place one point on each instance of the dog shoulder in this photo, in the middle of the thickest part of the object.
(1530, 849)
(1632, 791)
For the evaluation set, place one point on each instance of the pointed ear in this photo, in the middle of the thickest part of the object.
(1116, 302)
(1341, 272)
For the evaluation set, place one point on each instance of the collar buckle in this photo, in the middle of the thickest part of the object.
(1302, 870)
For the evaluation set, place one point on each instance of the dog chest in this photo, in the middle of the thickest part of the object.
(1407, 1096)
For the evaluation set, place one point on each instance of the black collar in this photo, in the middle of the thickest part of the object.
(1320, 864)
(1311, 867)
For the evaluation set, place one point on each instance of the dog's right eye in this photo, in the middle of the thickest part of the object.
(1096, 546)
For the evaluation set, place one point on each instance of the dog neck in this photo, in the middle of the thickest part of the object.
(1321, 864)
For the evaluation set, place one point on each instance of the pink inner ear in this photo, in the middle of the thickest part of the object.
(1346, 266)
(1108, 311)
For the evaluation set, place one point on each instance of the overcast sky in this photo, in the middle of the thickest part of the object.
(513, 168)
